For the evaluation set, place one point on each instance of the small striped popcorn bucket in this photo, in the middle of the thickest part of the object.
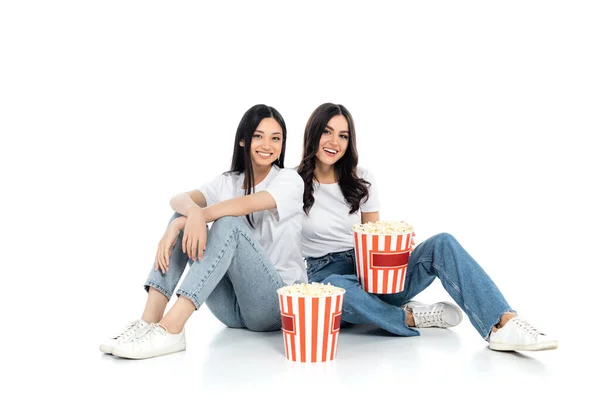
(310, 325)
(382, 261)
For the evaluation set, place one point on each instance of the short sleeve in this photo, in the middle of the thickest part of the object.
(287, 189)
(372, 204)
(213, 189)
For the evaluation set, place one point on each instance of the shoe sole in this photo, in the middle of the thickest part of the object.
(106, 349)
(460, 314)
(140, 356)
(528, 347)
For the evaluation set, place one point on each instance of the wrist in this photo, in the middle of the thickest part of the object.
(195, 210)
(178, 223)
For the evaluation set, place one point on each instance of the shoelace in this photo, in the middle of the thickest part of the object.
(149, 330)
(527, 327)
(129, 329)
(427, 318)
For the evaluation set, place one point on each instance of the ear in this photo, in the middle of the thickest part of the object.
(241, 143)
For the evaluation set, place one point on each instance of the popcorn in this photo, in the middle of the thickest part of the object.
(384, 228)
(310, 290)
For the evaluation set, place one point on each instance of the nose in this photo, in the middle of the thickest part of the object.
(334, 139)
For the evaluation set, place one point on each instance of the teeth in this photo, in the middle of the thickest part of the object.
(264, 154)
(330, 151)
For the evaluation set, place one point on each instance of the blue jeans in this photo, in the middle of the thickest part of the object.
(439, 256)
(235, 277)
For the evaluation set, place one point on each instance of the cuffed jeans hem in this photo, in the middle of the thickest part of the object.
(189, 296)
(510, 310)
(156, 286)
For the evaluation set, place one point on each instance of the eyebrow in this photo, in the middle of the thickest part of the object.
(274, 133)
(331, 129)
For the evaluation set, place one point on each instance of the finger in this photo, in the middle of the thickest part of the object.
(167, 257)
(195, 249)
(156, 258)
(200, 249)
(160, 261)
(184, 241)
(189, 246)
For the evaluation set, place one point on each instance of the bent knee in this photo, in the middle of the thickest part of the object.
(443, 238)
(228, 224)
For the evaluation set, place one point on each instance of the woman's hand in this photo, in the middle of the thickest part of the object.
(194, 234)
(412, 242)
(166, 244)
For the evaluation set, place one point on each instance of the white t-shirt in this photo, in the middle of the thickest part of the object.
(277, 230)
(328, 226)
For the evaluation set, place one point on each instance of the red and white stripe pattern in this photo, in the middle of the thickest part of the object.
(311, 326)
(382, 261)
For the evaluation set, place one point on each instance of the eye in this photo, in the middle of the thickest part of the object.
(344, 136)
(257, 135)
(276, 138)
(326, 132)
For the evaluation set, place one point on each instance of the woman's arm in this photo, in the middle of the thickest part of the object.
(369, 217)
(194, 236)
(183, 202)
(239, 206)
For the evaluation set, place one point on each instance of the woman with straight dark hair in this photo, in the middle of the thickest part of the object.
(238, 265)
(339, 194)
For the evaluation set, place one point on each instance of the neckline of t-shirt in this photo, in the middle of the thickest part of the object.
(262, 183)
(327, 184)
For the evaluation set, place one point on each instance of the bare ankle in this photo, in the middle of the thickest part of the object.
(410, 320)
(171, 328)
(503, 320)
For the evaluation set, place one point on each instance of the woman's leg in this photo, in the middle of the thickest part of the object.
(235, 278)
(161, 286)
(463, 278)
(359, 307)
(233, 256)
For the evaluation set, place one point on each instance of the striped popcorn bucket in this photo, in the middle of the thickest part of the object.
(382, 261)
(311, 326)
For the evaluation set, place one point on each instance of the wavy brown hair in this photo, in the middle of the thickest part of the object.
(353, 188)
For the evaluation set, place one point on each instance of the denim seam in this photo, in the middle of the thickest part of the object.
(267, 270)
(455, 287)
(159, 288)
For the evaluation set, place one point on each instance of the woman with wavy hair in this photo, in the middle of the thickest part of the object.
(339, 194)
(237, 266)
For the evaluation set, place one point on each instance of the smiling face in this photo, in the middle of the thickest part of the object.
(266, 143)
(334, 141)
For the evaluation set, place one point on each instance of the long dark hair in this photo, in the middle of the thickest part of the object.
(241, 162)
(354, 189)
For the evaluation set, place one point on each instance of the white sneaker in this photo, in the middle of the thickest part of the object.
(127, 334)
(153, 341)
(518, 335)
(437, 315)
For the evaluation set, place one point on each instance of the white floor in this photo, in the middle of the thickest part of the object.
(453, 363)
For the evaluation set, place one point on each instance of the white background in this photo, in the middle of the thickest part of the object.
(478, 119)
